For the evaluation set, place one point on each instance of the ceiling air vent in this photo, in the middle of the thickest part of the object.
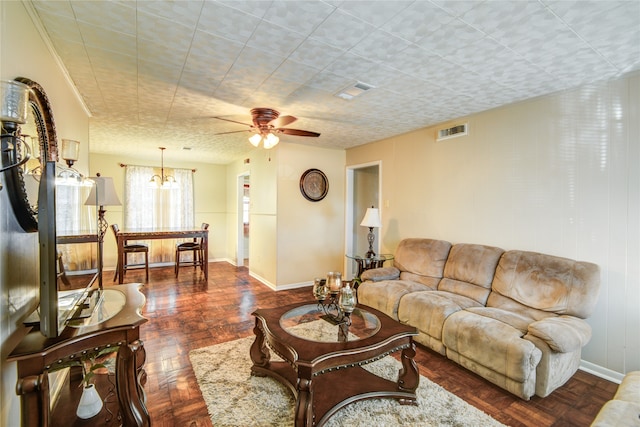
(351, 92)
(453, 132)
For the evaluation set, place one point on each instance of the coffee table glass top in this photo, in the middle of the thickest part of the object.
(307, 322)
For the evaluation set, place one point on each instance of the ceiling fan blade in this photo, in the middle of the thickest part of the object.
(233, 131)
(282, 121)
(297, 132)
(232, 121)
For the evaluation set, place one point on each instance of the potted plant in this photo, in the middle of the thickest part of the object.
(92, 363)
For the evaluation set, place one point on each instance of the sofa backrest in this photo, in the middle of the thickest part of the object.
(469, 270)
(547, 283)
(422, 260)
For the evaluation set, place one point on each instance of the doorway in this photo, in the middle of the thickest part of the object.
(363, 191)
(243, 226)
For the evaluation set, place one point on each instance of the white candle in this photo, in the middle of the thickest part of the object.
(70, 149)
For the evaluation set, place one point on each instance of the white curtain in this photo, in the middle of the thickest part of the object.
(152, 207)
(73, 217)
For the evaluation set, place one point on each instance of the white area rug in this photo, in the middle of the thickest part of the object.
(235, 398)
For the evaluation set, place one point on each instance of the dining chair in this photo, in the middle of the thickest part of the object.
(196, 247)
(60, 272)
(131, 249)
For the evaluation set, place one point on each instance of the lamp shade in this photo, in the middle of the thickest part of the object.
(103, 193)
(271, 141)
(255, 139)
(371, 218)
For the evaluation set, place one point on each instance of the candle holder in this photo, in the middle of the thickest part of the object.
(337, 306)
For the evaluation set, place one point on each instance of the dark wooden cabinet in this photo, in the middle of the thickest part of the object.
(37, 355)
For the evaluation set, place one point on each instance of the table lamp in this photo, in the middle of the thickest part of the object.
(102, 194)
(371, 219)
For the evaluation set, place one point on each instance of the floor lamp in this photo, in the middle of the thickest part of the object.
(102, 194)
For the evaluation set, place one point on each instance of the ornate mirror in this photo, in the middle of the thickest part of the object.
(39, 134)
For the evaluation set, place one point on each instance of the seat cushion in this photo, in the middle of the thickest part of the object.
(137, 247)
(492, 343)
(386, 295)
(428, 310)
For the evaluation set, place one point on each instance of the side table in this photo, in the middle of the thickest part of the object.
(365, 263)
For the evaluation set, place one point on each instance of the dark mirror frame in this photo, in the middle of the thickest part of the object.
(25, 206)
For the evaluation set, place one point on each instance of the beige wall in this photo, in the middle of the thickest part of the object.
(23, 53)
(558, 175)
(210, 188)
(292, 240)
(310, 240)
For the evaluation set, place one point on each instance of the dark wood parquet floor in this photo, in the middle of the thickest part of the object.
(189, 313)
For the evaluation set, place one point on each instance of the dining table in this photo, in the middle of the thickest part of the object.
(127, 234)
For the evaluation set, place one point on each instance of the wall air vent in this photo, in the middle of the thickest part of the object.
(453, 132)
(352, 91)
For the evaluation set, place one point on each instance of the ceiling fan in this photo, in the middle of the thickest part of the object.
(267, 123)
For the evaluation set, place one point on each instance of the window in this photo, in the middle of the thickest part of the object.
(149, 206)
(74, 217)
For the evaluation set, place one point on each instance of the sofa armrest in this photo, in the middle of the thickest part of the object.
(562, 333)
(379, 274)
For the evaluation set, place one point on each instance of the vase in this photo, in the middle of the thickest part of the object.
(90, 403)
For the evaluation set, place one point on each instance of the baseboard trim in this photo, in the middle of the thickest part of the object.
(602, 372)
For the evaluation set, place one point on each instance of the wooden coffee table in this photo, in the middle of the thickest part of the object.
(325, 374)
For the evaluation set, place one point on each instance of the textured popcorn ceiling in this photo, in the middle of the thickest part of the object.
(153, 73)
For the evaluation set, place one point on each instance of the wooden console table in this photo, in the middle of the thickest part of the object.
(36, 355)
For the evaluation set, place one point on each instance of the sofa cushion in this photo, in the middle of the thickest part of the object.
(421, 257)
(519, 321)
(624, 409)
(548, 283)
(629, 389)
(616, 413)
(379, 274)
(491, 343)
(427, 311)
(469, 270)
(385, 295)
(562, 333)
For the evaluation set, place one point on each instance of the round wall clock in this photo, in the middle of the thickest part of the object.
(314, 185)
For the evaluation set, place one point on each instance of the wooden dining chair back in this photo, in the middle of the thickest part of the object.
(197, 249)
(60, 271)
(131, 248)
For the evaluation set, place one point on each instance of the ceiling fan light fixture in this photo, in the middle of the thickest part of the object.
(271, 141)
(255, 139)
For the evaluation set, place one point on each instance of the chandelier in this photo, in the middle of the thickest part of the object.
(162, 180)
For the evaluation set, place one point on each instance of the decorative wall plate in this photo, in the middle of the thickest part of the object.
(314, 185)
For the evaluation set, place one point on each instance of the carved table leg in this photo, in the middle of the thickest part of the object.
(304, 404)
(259, 352)
(131, 395)
(409, 378)
(34, 392)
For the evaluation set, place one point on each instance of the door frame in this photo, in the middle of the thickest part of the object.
(351, 170)
(239, 219)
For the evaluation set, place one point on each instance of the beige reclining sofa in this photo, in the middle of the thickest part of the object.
(515, 318)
